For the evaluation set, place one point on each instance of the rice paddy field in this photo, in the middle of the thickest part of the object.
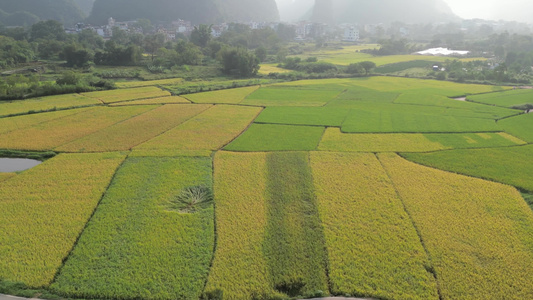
(381, 187)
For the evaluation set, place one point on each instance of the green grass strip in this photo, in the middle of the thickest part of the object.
(135, 246)
(294, 242)
(520, 126)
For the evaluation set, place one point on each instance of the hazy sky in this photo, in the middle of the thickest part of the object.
(512, 10)
(519, 10)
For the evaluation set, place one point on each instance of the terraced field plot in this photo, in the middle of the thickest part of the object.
(44, 211)
(372, 245)
(210, 130)
(230, 96)
(518, 97)
(132, 132)
(305, 96)
(52, 134)
(162, 100)
(136, 245)
(128, 94)
(271, 137)
(506, 165)
(18, 107)
(310, 196)
(477, 233)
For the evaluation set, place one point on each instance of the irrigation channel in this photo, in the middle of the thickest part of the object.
(9, 165)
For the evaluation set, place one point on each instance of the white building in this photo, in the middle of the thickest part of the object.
(351, 34)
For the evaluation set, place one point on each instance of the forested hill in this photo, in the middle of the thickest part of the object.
(27, 12)
(197, 11)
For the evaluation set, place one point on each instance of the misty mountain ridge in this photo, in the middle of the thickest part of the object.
(197, 11)
(368, 12)
(27, 12)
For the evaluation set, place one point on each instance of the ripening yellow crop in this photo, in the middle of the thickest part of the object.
(20, 122)
(210, 130)
(372, 245)
(335, 140)
(44, 210)
(132, 132)
(5, 176)
(240, 268)
(120, 95)
(230, 96)
(479, 234)
(132, 84)
(45, 104)
(161, 100)
(52, 134)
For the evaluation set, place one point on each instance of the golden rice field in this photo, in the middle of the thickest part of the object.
(20, 122)
(52, 134)
(293, 206)
(240, 269)
(121, 95)
(154, 101)
(132, 132)
(210, 130)
(373, 247)
(44, 211)
(477, 233)
(231, 96)
(45, 104)
(6, 176)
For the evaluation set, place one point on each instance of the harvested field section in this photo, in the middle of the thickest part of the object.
(120, 95)
(240, 268)
(373, 247)
(271, 137)
(229, 96)
(21, 122)
(294, 244)
(132, 132)
(44, 211)
(49, 135)
(210, 130)
(478, 233)
(505, 165)
(335, 140)
(137, 246)
(45, 104)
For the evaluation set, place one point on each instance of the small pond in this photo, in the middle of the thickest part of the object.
(9, 165)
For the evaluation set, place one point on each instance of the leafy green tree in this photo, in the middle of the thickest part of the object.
(261, 54)
(153, 42)
(355, 69)
(239, 61)
(367, 66)
(201, 35)
(48, 30)
(76, 56)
